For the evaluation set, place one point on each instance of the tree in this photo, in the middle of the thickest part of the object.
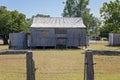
(75, 8)
(11, 21)
(110, 12)
(78, 8)
(92, 23)
(29, 20)
(41, 15)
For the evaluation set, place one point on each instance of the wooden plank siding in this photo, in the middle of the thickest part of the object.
(18, 40)
(114, 39)
(83, 37)
(38, 40)
(74, 37)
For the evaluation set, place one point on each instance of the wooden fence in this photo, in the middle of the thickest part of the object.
(89, 65)
(29, 61)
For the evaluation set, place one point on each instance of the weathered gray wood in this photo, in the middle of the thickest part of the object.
(37, 38)
(6, 52)
(74, 37)
(18, 40)
(89, 68)
(114, 39)
(30, 66)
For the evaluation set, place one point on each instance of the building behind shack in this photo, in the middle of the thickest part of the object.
(114, 39)
(18, 40)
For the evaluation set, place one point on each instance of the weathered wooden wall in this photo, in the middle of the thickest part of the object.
(74, 37)
(114, 39)
(17, 40)
(77, 37)
(38, 40)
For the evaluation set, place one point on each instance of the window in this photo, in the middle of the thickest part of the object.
(60, 31)
(45, 33)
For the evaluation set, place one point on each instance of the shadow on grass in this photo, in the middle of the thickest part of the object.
(105, 52)
(113, 45)
(117, 47)
(2, 44)
(56, 48)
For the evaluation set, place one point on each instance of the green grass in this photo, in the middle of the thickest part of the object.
(67, 64)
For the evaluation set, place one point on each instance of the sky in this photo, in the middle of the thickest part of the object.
(54, 8)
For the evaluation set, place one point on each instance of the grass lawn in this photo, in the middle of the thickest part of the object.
(107, 67)
(61, 64)
(12, 67)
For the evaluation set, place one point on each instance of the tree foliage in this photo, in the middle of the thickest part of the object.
(11, 21)
(78, 8)
(41, 15)
(75, 8)
(92, 23)
(110, 12)
(29, 20)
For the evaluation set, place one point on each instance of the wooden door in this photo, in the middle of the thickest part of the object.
(61, 41)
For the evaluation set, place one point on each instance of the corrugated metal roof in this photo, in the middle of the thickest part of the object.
(58, 22)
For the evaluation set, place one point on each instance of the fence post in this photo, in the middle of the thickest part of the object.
(89, 69)
(30, 66)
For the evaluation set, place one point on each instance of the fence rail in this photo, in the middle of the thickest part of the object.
(30, 69)
(89, 61)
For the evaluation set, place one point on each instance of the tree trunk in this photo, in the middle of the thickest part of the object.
(5, 39)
